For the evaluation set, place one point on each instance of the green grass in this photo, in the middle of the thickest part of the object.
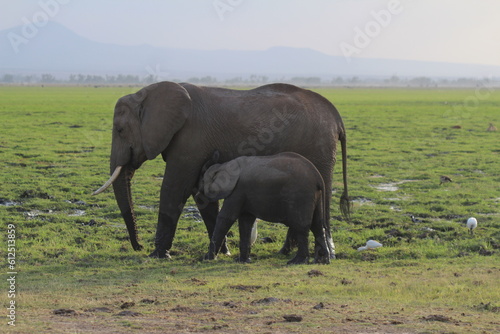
(73, 250)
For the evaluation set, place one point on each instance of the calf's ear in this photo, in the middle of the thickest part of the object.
(220, 180)
(210, 162)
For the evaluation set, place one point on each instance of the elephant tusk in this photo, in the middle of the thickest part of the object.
(110, 181)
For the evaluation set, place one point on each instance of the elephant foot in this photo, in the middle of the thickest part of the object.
(137, 247)
(322, 260)
(243, 260)
(284, 250)
(289, 244)
(323, 255)
(209, 256)
(158, 254)
(299, 260)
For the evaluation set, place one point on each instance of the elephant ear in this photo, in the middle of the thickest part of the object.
(164, 109)
(210, 162)
(220, 180)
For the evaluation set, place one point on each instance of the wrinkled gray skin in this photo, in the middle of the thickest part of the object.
(187, 123)
(284, 188)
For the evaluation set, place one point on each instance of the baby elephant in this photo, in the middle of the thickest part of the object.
(284, 188)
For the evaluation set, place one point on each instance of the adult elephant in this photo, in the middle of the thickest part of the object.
(186, 123)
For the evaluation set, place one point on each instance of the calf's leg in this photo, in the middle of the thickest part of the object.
(245, 222)
(302, 255)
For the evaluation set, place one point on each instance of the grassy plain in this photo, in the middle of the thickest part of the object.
(72, 250)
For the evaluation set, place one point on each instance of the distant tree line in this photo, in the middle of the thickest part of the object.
(79, 79)
(127, 79)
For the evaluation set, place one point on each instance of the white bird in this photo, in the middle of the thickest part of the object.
(254, 234)
(471, 224)
(370, 244)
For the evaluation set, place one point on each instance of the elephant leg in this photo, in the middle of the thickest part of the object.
(221, 228)
(245, 222)
(165, 232)
(209, 212)
(171, 205)
(321, 250)
(290, 243)
(329, 239)
(328, 234)
(302, 255)
(225, 219)
(330, 244)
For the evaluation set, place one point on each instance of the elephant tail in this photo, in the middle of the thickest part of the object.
(345, 203)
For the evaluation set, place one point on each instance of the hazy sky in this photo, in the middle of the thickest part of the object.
(437, 30)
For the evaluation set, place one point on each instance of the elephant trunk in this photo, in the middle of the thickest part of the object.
(123, 195)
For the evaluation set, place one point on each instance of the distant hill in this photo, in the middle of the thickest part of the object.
(56, 49)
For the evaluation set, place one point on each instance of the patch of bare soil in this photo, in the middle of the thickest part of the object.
(259, 315)
(267, 315)
(211, 322)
